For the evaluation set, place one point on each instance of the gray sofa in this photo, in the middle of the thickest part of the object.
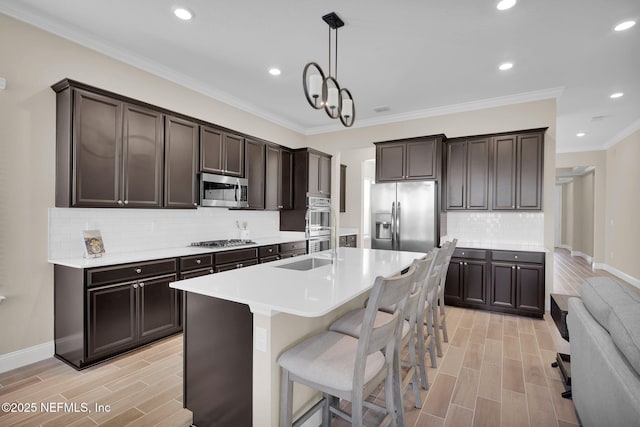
(604, 332)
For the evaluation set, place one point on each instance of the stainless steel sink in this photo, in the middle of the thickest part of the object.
(306, 264)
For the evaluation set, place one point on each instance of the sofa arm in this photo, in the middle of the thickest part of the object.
(605, 388)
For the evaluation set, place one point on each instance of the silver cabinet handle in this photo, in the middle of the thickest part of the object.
(513, 267)
(126, 202)
(211, 270)
(198, 261)
(270, 250)
(195, 204)
(120, 203)
(138, 270)
(142, 284)
(513, 206)
(462, 253)
(466, 263)
(518, 267)
(135, 286)
(516, 256)
(280, 207)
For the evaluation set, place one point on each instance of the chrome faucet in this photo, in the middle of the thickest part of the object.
(335, 238)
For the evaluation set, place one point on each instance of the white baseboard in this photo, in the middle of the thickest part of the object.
(620, 274)
(26, 356)
(586, 257)
(567, 247)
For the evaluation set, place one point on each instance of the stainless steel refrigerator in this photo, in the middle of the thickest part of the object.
(404, 216)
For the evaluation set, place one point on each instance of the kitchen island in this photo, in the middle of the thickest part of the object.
(238, 322)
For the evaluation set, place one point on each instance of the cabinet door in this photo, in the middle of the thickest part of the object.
(456, 175)
(313, 173)
(273, 184)
(343, 188)
(475, 284)
(503, 285)
(530, 290)
(97, 145)
(158, 308)
(529, 172)
(504, 172)
(112, 324)
(255, 173)
(390, 162)
(180, 168)
(142, 151)
(420, 162)
(453, 284)
(324, 180)
(286, 179)
(477, 191)
(211, 146)
(233, 155)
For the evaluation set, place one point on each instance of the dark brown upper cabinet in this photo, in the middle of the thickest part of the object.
(181, 160)
(221, 152)
(518, 171)
(319, 174)
(255, 157)
(467, 174)
(109, 153)
(278, 186)
(415, 158)
(343, 188)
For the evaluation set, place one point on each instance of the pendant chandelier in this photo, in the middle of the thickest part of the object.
(325, 92)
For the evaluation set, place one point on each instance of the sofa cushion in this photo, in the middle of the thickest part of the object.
(601, 294)
(624, 327)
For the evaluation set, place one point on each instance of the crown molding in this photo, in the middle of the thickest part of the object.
(499, 101)
(629, 130)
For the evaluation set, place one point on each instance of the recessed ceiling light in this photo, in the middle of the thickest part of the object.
(505, 66)
(624, 25)
(506, 4)
(616, 95)
(580, 134)
(274, 71)
(182, 13)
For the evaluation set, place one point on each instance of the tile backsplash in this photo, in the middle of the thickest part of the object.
(525, 228)
(127, 230)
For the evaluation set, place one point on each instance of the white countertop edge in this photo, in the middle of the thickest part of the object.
(496, 245)
(148, 255)
(348, 231)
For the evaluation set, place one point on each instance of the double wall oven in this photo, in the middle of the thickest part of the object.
(318, 223)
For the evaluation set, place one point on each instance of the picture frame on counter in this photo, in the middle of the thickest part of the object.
(93, 243)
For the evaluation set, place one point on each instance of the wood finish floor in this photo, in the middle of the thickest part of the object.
(495, 371)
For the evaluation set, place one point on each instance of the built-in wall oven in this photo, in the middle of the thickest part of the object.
(318, 223)
(225, 191)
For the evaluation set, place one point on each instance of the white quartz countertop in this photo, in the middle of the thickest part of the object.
(269, 289)
(344, 231)
(146, 255)
(496, 245)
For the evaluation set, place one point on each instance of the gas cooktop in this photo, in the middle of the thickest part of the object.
(227, 243)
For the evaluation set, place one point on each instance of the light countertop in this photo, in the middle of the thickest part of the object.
(147, 255)
(496, 245)
(269, 289)
(345, 231)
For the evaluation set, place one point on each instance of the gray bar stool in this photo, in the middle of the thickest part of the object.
(441, 316)
(344, 367)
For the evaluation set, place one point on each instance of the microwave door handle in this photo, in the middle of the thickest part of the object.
(237, 189)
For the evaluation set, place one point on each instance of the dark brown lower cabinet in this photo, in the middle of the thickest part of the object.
(348, 241)
(507, 281)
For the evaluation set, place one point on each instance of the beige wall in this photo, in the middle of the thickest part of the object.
(623, 206)
(578, 215)
(567, 214)
(597, 159)
(32, 60)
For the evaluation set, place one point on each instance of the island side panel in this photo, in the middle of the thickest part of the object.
(218, 361)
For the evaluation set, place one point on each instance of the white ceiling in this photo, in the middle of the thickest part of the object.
(418, 57)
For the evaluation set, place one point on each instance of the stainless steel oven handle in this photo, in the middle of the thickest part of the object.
(237, 190)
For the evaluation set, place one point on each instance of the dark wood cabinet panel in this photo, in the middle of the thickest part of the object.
(221, 152)
(112, 320)
(474, 282)
(455, 175)
(530, 292)
(157, 309)
(518, 171)
(390, 162)
(96, 150)
(343, 188)
(529, 172)
(142, 152)
(286, 179)
(453, 285)
(278, 188)
(503, 285)
(180, 168)
(420, 159)
(477, 173)
(415, 158)
(348, 241)
(324, 176)
(313, 173)
(255, 163)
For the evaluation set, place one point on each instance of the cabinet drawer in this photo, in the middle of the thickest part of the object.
(268, 251)
(269, 259)
(293, 246)
(517, 256)
(469, 253)
(237, 255)
(233, 265)
(196, 273)
(134, 271)
(293, 253)
(196, 261)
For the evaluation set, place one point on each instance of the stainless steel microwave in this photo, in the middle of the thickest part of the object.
(223, 191)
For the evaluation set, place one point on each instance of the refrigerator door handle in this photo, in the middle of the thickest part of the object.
(398, 227)
(393, 225)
